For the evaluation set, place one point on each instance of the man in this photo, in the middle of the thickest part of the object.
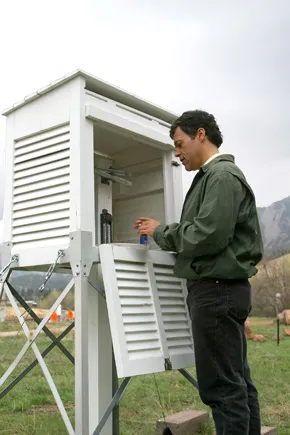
(218, 245)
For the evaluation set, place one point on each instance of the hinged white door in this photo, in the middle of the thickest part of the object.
(147, 310)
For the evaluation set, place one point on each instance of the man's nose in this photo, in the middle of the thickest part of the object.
(177, 152)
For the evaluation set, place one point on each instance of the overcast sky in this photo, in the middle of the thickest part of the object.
(229, 57)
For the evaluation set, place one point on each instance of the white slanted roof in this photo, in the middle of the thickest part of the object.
(103, 88)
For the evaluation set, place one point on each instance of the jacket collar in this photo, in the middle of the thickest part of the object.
(219, 158)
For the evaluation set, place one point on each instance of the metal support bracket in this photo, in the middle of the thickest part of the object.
(5, 250)
(96, 287)
(8, 260)
(81, 253)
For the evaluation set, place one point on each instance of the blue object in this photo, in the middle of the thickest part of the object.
(144, 240)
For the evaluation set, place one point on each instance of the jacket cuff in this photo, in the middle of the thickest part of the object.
(158, 235)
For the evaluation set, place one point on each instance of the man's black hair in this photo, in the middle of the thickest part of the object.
(191, 121)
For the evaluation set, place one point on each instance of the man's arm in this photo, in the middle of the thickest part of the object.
(213, 229)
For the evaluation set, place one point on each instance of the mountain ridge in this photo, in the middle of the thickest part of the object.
(275, 227)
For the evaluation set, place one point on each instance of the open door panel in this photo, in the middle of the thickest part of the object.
(148, 316)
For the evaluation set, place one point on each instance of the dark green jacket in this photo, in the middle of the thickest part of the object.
(218, 235)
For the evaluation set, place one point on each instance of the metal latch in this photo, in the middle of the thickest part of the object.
(168, 364)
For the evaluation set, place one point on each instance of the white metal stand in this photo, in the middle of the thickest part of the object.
(94, 404)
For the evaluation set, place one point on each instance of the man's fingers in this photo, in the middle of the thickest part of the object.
(142, 228)
(143, 225)
(142, 219)
(139, 224)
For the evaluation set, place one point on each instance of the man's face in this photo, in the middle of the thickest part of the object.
(187, 149)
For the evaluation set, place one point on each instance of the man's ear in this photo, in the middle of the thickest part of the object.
(200, 134)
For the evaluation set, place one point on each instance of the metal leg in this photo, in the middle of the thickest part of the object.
(93, 359)
(100, 357)
(38, 321)
(42, 364)
(189, 377)
(115, 401)
(82, 356)
(93, 345)
(35, 362)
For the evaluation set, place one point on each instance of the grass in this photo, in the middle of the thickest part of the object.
(11, 325)
(30, 409)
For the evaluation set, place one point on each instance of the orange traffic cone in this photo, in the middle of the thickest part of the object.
(70, 315)
(54, 317)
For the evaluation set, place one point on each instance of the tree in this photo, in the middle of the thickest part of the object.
(272, 279)
(48, 300)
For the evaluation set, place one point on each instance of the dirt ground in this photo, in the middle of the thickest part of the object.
(10, 313)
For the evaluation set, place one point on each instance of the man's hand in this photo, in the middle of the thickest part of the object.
(146, 226)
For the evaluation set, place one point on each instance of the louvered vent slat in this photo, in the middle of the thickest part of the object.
(28, 229)
(145, 336)
(56, 132)
(33, 205)
(164, 294)
(43, 210)
(35, 219)
(143, 346)
(139, 319)
(43, 144)
(132, 292)
(134, 301)
(41, 153)
(64, 163)
(32, 187)
(38, 178)
(42, 161)
(41, 235)
(166, 302)
(41, 188)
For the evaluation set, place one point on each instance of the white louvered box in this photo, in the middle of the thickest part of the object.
(61, 143)
(55, 141)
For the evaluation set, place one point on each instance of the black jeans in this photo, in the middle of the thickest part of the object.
(218, 310)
